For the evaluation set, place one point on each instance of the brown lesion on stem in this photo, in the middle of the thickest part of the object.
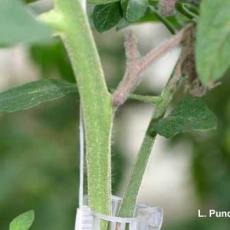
(137, 65)
(193, 85)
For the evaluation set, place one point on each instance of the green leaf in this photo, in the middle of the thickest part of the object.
(106, 16)
(18, 25)
(189, 114)
(34, 93)
(136, 9)
(23, 221)
(148, 17)
(213, 40)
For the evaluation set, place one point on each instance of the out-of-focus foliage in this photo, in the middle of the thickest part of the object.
(213, 40)
(10, 27)
(52, 60)
(23, 222)
(211, 161)
(39, 165)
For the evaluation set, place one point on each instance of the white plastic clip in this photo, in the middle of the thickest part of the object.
(84, 219)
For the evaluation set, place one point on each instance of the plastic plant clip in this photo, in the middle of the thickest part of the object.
(84, 219)
(146, 218)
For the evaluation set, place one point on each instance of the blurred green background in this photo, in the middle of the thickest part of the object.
(39, 147)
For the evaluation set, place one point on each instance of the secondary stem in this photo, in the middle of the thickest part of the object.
(144, 98)
(129, 200)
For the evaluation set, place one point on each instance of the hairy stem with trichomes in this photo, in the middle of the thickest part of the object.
(71, 23)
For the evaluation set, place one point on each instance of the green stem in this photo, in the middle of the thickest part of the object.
(95, 101)
(185, 11)
(129, 200)
(144, 98)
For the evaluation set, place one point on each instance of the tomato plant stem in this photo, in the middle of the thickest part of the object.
(130, 197)
(95, 101)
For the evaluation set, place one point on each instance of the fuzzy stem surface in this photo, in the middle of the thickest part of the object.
(95, 101)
